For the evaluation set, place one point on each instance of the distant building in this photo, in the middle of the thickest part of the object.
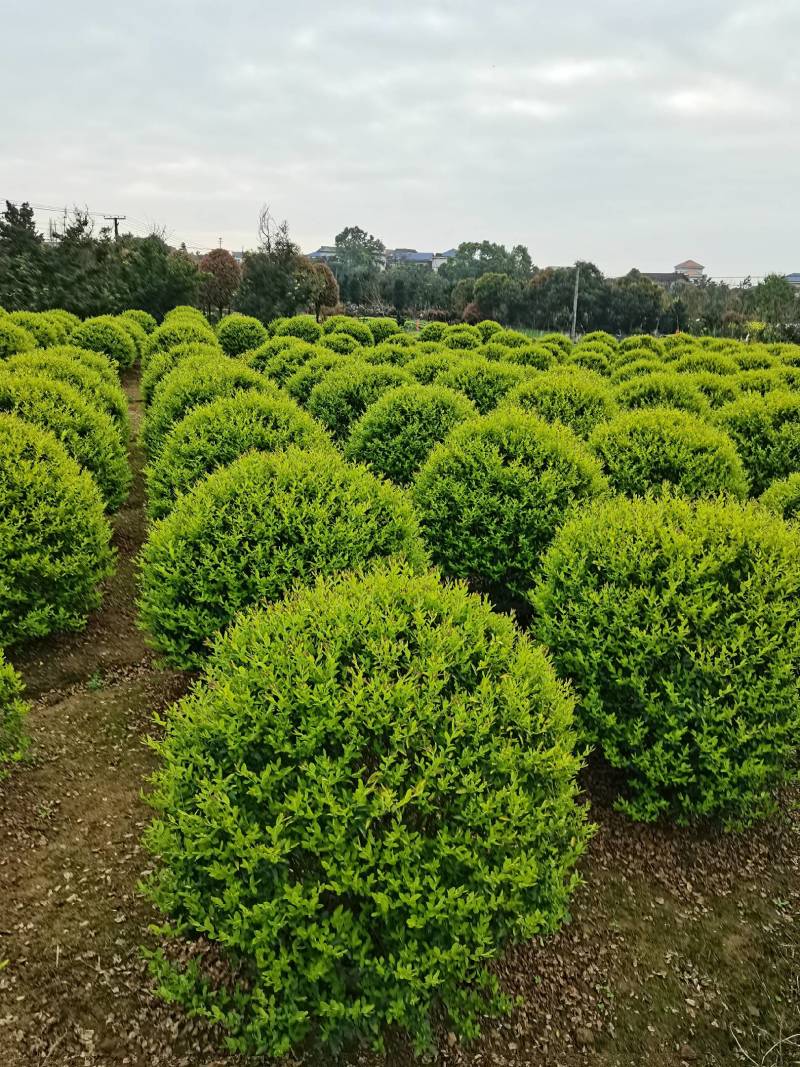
(392, 257)
(689, 270)
(794, 279)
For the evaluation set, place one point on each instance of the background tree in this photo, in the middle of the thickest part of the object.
(318, 282)
(221, 277)
(636, 304)
(357, 265)
(775, 300)
(474, 258)
(274, 279)
(497, 296)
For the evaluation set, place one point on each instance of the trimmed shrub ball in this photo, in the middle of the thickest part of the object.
(369, 794)
(88, 434)
(13, 710)
(485, 382)
(575, 397)
(389, 352)
(600, 337)
(134, 331)
(213, 435)
(654, 448)
(178, 331)
(762, 381)
(492, 495)
(143, 318)
(461, 336)
(708, 362)
(90, 383)
(354, 328)
(65, 320)
(240, 333)
(536, 356)
(487, 328)
(635, 368)
(383, 328)
(718, 389)
(427, 368)
(783, 497)
(433, 331)
(186, 312)
(196, 380)
(162, 363)
(343, 343)
(43, 330)
(678, 624)
(507, 338)
(663, 389)
(249, 531)
(104, 334)
(766, 430)
(13, 338)
(641, 340)
(54, 537)
(95, 361)
(305, 327)
(345, 394)
(301, 384)
(395, 435)
(280, 357)
(593, 359)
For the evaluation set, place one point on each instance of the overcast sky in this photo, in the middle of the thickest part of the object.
(628, 133)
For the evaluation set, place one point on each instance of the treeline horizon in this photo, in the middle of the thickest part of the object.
(92, 272)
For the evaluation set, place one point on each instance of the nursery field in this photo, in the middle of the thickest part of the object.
(274, 789)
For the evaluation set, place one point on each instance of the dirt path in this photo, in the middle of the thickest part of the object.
(683, 949)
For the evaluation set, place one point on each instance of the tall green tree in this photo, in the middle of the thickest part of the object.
(221, 277)
(357, 266)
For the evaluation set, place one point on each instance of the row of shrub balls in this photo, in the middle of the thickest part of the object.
(372, 787)
(64, 436)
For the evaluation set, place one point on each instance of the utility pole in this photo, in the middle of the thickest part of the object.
(574, 332)
(116, 220)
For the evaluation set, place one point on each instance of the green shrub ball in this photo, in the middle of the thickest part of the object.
(196, 380)
(87, 433)
(395, 435)
(783, 497)
(178, 331)
(576, 397)
(13, 338)
(104, 334)
(369, 794)
(766, 430)
(359, 331)
(54, 537)
(213, 435)
(240, 333)
(161, 363)
(90, 383)
(44, 330)
(493, 494)
(250, 530)
(303, 326)
(678, 624)
(665, 390)
(484, 381)
(653, 448)
(346, 392)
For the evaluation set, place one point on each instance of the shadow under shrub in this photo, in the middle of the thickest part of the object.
(369, 794)
(250, 530)
(54, 537)
(678, 624)
(492, 495)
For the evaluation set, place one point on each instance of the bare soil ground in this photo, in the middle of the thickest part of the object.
(684, 947)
